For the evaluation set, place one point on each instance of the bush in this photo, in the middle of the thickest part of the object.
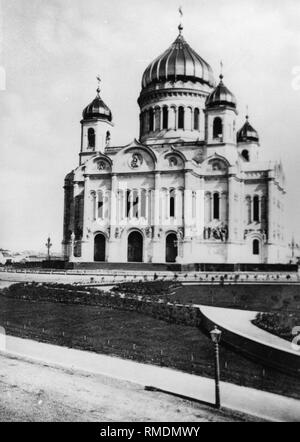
(280, 323)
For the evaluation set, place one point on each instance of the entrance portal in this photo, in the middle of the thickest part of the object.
(99, 247)
(171, 247)
(135, 247)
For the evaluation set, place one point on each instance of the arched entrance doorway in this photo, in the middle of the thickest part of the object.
(99, 247)
(135, 247)
(171, 247)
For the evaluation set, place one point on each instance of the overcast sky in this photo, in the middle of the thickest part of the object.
(52, 50)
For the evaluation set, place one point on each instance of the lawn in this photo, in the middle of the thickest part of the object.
(133, 335)
(262, 298)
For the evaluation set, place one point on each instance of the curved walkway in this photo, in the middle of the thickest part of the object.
(258, 403)
(239, 322)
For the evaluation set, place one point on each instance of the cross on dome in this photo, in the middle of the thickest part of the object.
(99, 81)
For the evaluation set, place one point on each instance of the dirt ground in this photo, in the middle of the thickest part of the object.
(34, 392)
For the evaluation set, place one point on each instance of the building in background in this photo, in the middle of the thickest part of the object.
(191, 189)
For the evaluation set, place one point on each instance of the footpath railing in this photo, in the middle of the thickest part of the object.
(114, 276)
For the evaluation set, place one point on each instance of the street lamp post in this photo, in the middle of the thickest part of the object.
(48, 246)
(215, 335)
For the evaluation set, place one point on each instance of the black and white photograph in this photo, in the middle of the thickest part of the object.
(150, 215)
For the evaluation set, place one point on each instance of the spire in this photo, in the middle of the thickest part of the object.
(98, 88)
(221, 76)
(180, 26)
(247, 113)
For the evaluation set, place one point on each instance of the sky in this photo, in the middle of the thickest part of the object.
(52, 50)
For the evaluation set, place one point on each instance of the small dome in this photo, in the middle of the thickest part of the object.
(221, 96)
(178, 62)
(97, 109)
(247, 133)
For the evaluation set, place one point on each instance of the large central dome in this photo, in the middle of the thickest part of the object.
(178, 62)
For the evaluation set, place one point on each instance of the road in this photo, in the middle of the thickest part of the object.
(32, 391)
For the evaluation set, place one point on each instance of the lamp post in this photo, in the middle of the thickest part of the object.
(215, 335)
(48, 246)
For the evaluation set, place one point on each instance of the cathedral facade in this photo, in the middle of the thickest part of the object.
(190, 189)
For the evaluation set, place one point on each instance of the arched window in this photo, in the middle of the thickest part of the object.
(255, 247)
(100, 204)
(151, 118)
(172, 203)
(165, 117)
(216, 206)
(218, 129)
(128, 203)
(180, 117)
(107, 139)
(256, 208)
(91, 137)
(196, 119)
(245, 154)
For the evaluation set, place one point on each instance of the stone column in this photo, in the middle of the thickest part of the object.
(187, 118)
(131, 204)
(187, 204)
(231, 181)
(176, 206)
(113, 252)
(85, 255)
(113, 203)
(157, 249)
(211, 207)
(157, 195)
(161, 118)
(175, 118)
(223, 207)
(271, 210)
(124, 203)
(147, 217)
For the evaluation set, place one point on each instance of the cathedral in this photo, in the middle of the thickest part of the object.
(190, 189)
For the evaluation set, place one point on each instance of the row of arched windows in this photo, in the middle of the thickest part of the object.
(169, 117)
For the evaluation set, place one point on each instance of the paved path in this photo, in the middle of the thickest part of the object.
(247, 400)
(38, 392)
(239, 322)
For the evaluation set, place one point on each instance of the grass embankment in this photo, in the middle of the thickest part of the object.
(262, 298)
(279, 304)
(65, 317)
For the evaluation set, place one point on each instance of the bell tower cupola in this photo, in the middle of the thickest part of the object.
(248, 142)
(96, 127)
(221, 115)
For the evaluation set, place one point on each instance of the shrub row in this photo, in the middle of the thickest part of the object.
(157, 308)
(278, 323)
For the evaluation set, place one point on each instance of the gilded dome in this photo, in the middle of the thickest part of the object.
(221, 96)
(97, 109)
(178, 62)
(247, 133)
